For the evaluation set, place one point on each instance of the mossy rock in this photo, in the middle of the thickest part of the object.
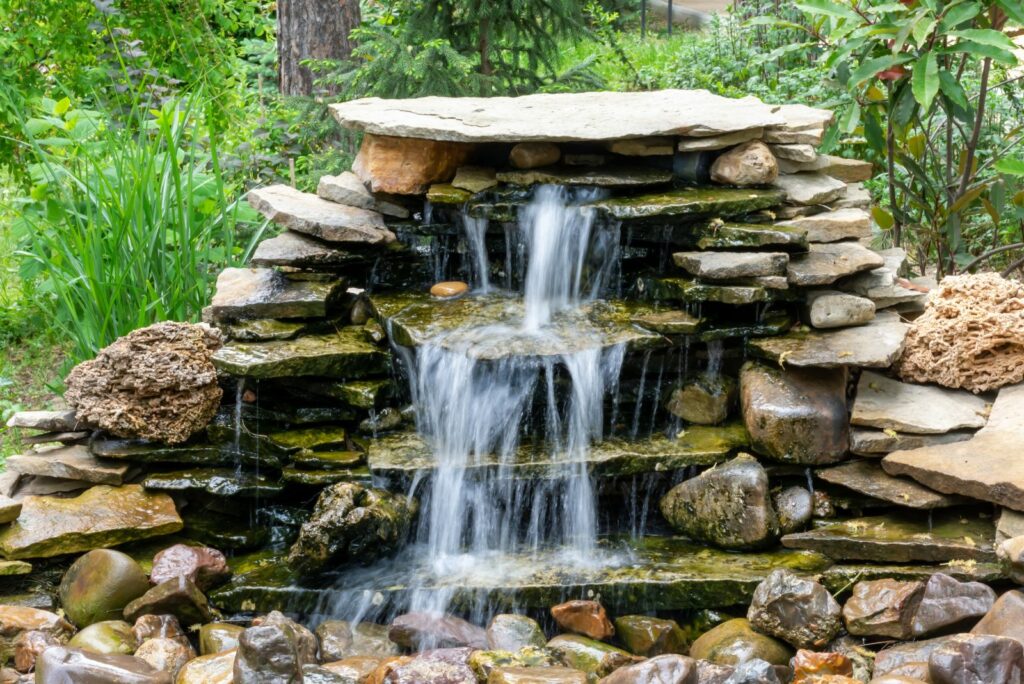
(215, 481)
(735, 642)
(346, 353)
(690, 202)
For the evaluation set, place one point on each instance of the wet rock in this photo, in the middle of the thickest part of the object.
(976, 659)
(720, 235)
(158, 627)
(351, 522)
(441, 666)
(339, 640)
(754, 672)
(710, 673)
(751, 163)
(107, 637)
(165, 655)
(810, 188)
(530, 155)
(583, 617)
(202, 565)
(16, 620)
(449, 289)
(868, 478)
(209, 669)
(672, 322)
(484, 662)
(692, 291)
(889, 404)
(833, 309)
(1005, 618)
(596, 658)
(734, 642)
(661, 669)
(217, 637)
(445, 193)
(274, 651)
(861, 658)
(875, 345)
(696, 202)
(794, 507)
(731, 265)
(948, 603)
(99, 585)
(536, 675)
(795, 415)
(1011, 558)
(727, 505)
(796, 610)
(826, 263)
(407, 165)
(809, 665)
(268, 293)
(73, 462)
(831, 226)
(59, 665)
(347, 189)
(385, 668)
(508, 632)
(431, 630)
(296, 250)
(705, 400)
(602, 177)
(171, 361)
(215, 481)
(29, 646)
(353, 669)
(883, 608)
(907, 659)
(650, 636)
(474, 178)
(178, 597)
(868, 442)
(345, 353)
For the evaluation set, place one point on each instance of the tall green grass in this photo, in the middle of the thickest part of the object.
(128, 223)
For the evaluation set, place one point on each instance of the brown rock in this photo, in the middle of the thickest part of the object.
(883, 608)
(203, 566)
(426, 630)
(1005, 618)
(663, 669)
(734, 642)
(650, 636)
(536, 675)
(948, 603)
(211, 669)
(441, 666)
(752, 163)
(449, 288)
(16, 620)
(976, 658)
(809, 666)
(165, 655)
(797, 610)
(530, 155)
(217, 637)
(155, 383)
(178, 597)
(906, 659)
(58, 665)
(29, 646)
(971, 335)
(385, 668)
(407, 166)
(583, 617)
(356, 668)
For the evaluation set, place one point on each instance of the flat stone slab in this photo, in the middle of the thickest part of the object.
(62, 437)
(489, 327)
(669, 322)
(307, 213)
(885, 403)
(901, 539)
(349, 190)
(268, 293)
(868, 478)
(141, 451)
(346, 353)
(263, 329)
(403, 455)
(823, 264)
(830, 226)
(810, 188)
(871, 442)
(693, 202)
(69, 462)
(50, 421)
(720, 142)
(602, 177)
(719, 235)
(14, 568)
(100, 517)
(670, 572)
(687, 290)
(839, 578)
(300, 251)
(728, 265)
(875, 345)
(988, 467)
(560, 117)
(214, 481)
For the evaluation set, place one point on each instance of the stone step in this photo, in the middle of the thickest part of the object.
(268, 293)
(690, 203)
(823, 264)
(346, 353)
(295, 250)
(670, 573)
(875, 345)
(692, 291)
(69, 462)
(719, 235)
(401, 456)
(602, 177)
(310, 214)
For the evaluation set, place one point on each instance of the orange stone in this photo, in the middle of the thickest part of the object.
(583, 617)
(449, 288)
(810, 667)
(407, 166)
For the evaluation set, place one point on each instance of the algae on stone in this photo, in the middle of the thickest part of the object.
(690, 202)
(346, 354)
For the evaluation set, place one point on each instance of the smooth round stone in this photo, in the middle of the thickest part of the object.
(165, 655)
(61, 665)
(650, 636)
(210, 669)
(217, 637)
(449, 288)
(794, 506)
(110, 637)
(204, 566)
(735, 642)
(508, 632)
(583, 617)
(99, 585)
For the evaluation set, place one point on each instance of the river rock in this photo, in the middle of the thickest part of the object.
(734, 642)
(107, 637)
(60, 665)
(16, 620)
(29, 646)
(508, 632)
(178, 597)
(810, 188)
(99, 585)
(796, 610)
(833, 309)
(406, 165)
(354, 669)
(209, 669)
(705, 400)
(73, 462)
(339, 640)
(794, 507)
(441, 666)
(172, 361)
(595, 658)
(347, 189)
(810, 666)
(755, 671)
(730, 265)
(217, 637)
(583, 617)
(824, 264)
(530, 155)
(1005, 618)
(428, 630)
(727, 505)
(832, 226)
(650, 636)
(661, 669)
(918, 409)
(100, 516)
(484, 662)
(158, 627)
(536, 675)
(1011, 558)
(985, 467)
(870, 442)
(165, 655)
(948, 603)
(751, 163)
(883, 608)
(795, 415)
(875, 345)
(976, 659)
(911, 658)
(274, 651)
(868, 478)
(449, 288)
(201, 565)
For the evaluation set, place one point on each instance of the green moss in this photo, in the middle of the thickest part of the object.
(311, 438)
(445, 193)
(772, 324)
(215, 481)
(324, 477)
(718, 235)
(691, 291)
(346, 353)
(692, 202)
(604, 176)
(263, 330)
(328, 460)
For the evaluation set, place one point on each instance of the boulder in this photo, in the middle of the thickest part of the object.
(794, 507)
(948, 604)
(203, 566)
(407, 165)
(823, 264)
(976, 659)
(531, 155)
(751, 163)
(795, 415)
(796, 610)
(508, 632)
(595, 658)
(885, 403)
(734, 642)
(217, 637)
(833, 309)
(178, 597)
(107, 637)
(60, 665)
(650, 636)
(583, 617)
(419, 631)
(274, 651)
(883, 608)
(165, 655)
(99, 585)
(832, 226)
(209, 669)
(661, 669)
(1005, 618)
(727, 505)
(970, 336)
(352, 523)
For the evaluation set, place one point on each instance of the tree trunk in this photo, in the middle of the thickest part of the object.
(311, 29)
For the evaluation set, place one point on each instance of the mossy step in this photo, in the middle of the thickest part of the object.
(487, 327)
(324, 477)
(690, 202)
(717, 235)
(403, 455)
(602, 177)
(667, 573)
(347, 353)
(216, 481)
(693, 291)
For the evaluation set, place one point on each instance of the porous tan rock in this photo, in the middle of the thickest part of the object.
(154, 383)
(971, 335)
(407, 166)
(752, 163)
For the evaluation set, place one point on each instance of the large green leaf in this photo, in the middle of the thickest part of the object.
(989, 51)
(826, 7)
(1013, 8)
(960, 14)
(1011, 167)
(869, 68)
(986, 37)
(925, 80)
